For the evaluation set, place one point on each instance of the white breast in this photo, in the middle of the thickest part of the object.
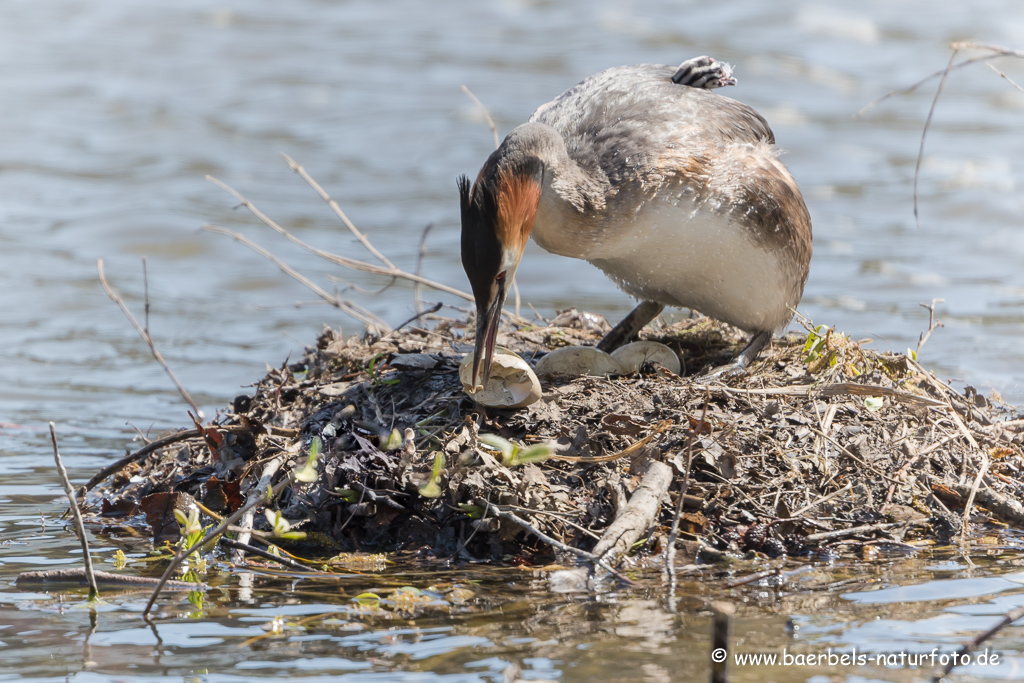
(679, 254)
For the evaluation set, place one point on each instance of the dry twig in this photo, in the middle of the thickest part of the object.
(1010, 617)
(334, 206)
(670, 549)
(353, 309)
(76, 514)
(932, 323)
(995, 51)
(924, 131)
(490, 121)
(146, 338)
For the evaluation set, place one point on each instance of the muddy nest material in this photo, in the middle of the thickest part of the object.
(823, 443)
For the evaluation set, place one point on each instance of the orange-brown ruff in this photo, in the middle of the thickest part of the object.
(675, 192)
(518, 197)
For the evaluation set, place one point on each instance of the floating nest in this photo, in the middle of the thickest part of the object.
(825, 444)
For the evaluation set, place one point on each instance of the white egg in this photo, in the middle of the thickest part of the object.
(512, 382)
(578, 360)
(631, 356)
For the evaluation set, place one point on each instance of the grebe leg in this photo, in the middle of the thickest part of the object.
(630, 326)
(743, 360)
(704, 72)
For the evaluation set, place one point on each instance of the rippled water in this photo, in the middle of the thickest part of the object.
(113, 111)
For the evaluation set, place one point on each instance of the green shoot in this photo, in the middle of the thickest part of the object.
(513, 454)
(432, 489)
(393, 441)
(281, 527)
(348, 495)
(472, 511)
(307, 473)
(815, 343)
(191, 530)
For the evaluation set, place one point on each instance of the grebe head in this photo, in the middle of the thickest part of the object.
(497, 217)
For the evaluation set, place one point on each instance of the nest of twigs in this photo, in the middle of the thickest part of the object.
(824, 443)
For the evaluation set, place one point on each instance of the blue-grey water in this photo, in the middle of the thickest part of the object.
(112, 112)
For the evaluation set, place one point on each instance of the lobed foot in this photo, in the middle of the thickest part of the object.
(742, 361)
(733, 369)
(704, 72)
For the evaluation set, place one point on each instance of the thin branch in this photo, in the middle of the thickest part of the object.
(145, 336)
(355, 310)
(76, 514)
(995, 52)
(1008, 79)
(965, 527)
(854, 531)
(151, 447)
(267, 555)
(523, 524)
(823, 499)
(156, 445)
(490, 121)
(145, 291)
(670, 550)
(337, 210)
(932, 323)
(419, 266)
(256, 494)
(433, 309)
(344, 261)
(996, 49)
(1010, 617)
(77, 575)
(554, 543)
(924, 132)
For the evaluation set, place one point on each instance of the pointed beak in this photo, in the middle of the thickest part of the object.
(488, 317)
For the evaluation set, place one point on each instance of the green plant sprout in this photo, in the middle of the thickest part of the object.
(393, 441)
(281, 527)
(816, 340)
(192, 531)
(432, 489)
(512, 454)
(308, 473)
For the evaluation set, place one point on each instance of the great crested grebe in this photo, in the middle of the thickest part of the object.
(675, 192)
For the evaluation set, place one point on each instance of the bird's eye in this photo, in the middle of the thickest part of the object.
(500, 276)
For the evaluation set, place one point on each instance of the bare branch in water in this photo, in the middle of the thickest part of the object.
(1008, 79)
(145, 337)
(145, 291)
(76, 514)
(353, 309)
(1008, 618)
(344, 261)
(337, 210)
(932, 323)
(924, 131)
(995, 51)
(490, 121)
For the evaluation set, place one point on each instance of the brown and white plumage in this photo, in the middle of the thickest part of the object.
(674, 191)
